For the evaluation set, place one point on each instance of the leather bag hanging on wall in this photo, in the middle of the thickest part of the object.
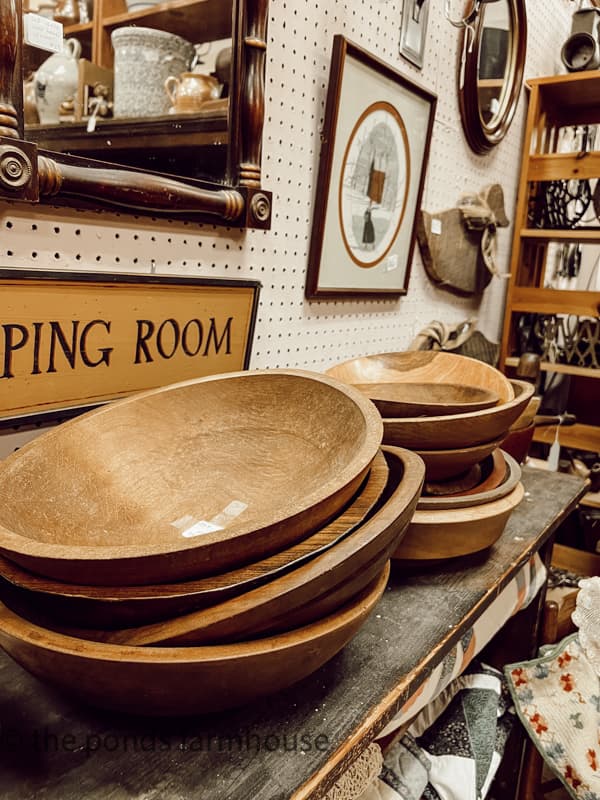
(458, 246)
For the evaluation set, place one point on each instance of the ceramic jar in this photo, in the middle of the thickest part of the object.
(56, 81)
(190, 90)
(144, 59)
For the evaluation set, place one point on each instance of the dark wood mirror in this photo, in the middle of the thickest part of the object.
(171, 131)
(491, 74)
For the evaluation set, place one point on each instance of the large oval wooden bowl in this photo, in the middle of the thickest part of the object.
(125, 606)
(438, 535)
(342, 570)
(458, 430)
(441, 465)
(426, 399)
(418, 366)
(480, 494)
(174, 681)
(186, 480)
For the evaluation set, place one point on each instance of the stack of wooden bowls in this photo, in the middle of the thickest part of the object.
(193, 547)
(454, 412)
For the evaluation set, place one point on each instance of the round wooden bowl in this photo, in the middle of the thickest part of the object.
(309, 590)
(187, 480)
(479, 495)
(438, 535)
(418, 366)
(175, 681)
(493, 471)
(518, 442)
(458, 430)
(426, 399)
(125, 606)
(442, 465)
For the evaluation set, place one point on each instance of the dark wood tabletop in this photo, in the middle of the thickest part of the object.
(293, 744)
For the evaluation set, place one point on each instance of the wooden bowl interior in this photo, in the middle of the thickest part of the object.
(307, 589)
(124, 606)
(146, 470)
(458, 430)
(417, 366)
(490, 489)
(426, 399)
(173, 681)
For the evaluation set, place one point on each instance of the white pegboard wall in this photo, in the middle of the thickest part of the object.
(291, 331)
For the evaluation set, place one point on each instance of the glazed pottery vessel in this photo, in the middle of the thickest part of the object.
(144, 59)
(190, 90)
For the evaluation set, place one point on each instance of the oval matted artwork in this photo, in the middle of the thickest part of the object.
(374, 183)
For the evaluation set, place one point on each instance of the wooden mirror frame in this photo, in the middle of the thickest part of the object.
(30, 174)
(481, 137)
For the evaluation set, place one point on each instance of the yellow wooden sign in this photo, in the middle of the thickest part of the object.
(70, 340)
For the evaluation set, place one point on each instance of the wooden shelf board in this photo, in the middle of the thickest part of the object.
(208, 127)
(571, 235)
(569, 91)
(81, 27)
(578, 436)
(566, 369)
(195, 20)
(555, 301)
(580, 562)
(564, 166)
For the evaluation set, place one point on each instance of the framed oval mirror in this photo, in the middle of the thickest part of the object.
(152, 105)
(491, 76)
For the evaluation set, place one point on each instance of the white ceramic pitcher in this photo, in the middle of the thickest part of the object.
(56, 81)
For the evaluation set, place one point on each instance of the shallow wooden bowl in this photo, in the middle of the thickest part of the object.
(441, 465)
(309, 590)
(418, 366)
(458, 430)
(175, 681)
(187, 480)
(487, 492)
(438, 535)
(125, 606)
(426, 399)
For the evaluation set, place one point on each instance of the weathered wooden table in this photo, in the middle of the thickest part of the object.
(294, 744)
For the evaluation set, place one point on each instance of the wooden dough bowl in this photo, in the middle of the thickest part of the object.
(426, 399)
(125, 606)
(518, 442)
(438, 535)
(187, 480)
(441, 465)
(423, 366)
(176, 681)
(311, 590)
(458, 430)
(486, 492)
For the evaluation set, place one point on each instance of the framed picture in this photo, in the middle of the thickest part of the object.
(374, 152)
(414, 29)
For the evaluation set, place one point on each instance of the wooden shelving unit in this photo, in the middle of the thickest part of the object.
(555, 102)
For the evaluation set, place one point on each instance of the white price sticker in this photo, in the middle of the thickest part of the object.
(42, 32)
(436, 226)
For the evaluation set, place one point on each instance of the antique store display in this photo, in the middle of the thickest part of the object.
(300, 557)
(471, 486)
(198, 162)
(372, 169)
